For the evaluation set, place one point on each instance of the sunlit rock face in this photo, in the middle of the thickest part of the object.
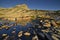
(19, 12)
(23, 6)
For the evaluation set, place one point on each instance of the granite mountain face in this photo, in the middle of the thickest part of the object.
(19, 11)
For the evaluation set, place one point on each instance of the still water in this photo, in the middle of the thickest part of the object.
(17, 28)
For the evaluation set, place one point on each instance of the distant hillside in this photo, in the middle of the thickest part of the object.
(14, 10)
(18, 10)
(23, 11)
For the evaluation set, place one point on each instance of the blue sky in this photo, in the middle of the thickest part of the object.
(33, 4)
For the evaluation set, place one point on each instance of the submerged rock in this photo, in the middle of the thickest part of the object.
(35, 37)
(27, 34)
(3, 35)
(20, 34)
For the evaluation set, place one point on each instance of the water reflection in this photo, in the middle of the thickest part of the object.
(35, 30)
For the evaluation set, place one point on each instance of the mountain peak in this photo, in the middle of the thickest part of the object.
(24, 6)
